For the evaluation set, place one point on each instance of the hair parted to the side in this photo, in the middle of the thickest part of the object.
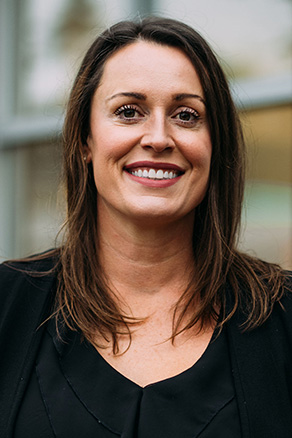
(82, 298)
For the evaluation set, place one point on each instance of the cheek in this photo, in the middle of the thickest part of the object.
(112, 145)
(199, 155)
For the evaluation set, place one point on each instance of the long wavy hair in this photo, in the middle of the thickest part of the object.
(83, 300)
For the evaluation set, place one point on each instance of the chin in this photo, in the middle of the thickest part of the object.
(158, 215)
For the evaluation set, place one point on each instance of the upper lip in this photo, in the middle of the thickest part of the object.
(154, 165)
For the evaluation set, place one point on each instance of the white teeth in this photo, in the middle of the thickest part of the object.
(159, 174)
(152, 174)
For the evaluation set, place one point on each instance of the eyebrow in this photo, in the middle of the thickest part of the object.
(141, 96)
(182, 96)
(138, 96)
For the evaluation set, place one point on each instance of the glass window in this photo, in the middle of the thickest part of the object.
(53, 36)
(267, 216)
(253, 37)
(42, 44)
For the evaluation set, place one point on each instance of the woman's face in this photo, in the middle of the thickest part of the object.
(149, 139)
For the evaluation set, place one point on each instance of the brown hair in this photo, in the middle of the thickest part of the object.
(82, 298)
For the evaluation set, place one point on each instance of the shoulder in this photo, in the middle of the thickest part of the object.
(261, 358)
(274, 332)
(23, 278)
(264, 291)
(278, 307)
(285, 303)
(27, 290)
(43, 265)
(288, 282)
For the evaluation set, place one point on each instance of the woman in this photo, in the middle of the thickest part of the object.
(148, 322)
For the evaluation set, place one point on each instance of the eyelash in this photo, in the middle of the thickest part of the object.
(190, 111)
(124, 108)
(119, 112)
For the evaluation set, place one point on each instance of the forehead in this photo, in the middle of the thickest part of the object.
(149, 64)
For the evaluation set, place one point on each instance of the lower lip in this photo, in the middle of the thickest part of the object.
(158, 183)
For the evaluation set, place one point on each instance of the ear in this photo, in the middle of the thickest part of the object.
(87, 150)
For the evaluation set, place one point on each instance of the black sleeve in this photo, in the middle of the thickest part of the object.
(25, 301)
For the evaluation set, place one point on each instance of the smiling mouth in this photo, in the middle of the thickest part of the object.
(158, 174)
(154, 171)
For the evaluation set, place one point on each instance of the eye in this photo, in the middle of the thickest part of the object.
(187, 116)
(128, 112)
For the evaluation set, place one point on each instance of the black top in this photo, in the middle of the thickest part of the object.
(74, 392)
(261, 359)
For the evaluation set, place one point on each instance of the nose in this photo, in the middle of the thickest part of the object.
(157, 134)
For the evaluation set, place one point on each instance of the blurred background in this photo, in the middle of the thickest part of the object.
(41, 46)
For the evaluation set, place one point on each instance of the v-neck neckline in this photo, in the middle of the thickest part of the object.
(193, 397)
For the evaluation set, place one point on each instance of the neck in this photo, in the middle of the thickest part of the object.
(143, 263)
